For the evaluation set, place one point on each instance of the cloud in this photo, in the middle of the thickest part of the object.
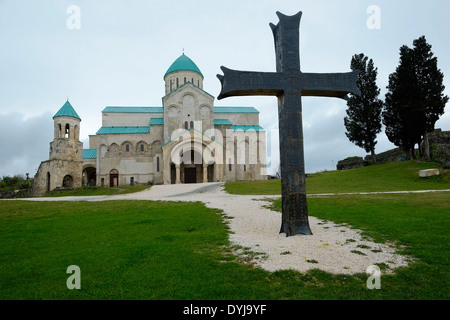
(24, 142)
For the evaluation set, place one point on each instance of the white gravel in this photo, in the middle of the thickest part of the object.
(256, 227)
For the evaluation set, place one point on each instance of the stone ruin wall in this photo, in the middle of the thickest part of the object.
(439, 142)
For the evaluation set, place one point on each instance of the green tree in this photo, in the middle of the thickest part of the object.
(15, 182)
(363, 120)
(415, 99)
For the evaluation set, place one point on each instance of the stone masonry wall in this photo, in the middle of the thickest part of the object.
(350, 163)
(439, 142)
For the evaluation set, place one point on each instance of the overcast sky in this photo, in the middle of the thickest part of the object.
(122, 49)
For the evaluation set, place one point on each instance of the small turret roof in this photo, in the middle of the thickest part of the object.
(183, 63)
(67, 111)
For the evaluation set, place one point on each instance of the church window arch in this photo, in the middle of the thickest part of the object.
(186, 125)
(142, 147)
(173, 111)
(205, 112)
(113, 151)
(155, 147)
(67, 131)
(191, 124)
(126, 146)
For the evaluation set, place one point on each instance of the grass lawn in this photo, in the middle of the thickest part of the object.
(173, 250)
(397, 176)
(96, 191)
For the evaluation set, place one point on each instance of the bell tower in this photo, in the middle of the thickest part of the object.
(66, 143)
(65, 164)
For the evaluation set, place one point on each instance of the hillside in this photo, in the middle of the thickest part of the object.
(396, 176)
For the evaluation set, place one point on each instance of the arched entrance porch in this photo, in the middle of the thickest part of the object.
(90, 176)
(192, 158)
(190, 171)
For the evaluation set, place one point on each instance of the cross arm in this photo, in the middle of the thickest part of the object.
(245, 83)
(336, 85)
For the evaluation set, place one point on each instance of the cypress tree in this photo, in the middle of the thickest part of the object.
(415, 99)
(363, 120)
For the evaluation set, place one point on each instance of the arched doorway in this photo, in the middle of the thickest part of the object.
(90, 177)
(191, 160)
(68, 181)
(190, 174)
(114, 178)
(173, 172)
(210, 172)
(191, 168)
(48, 181)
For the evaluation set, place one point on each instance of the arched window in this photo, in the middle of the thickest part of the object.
(184, 79)
(67, 131)
(127, 147)
(186, 125)
(191, 124)
(142, 147)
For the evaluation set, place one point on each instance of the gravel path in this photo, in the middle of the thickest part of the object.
(333, 248)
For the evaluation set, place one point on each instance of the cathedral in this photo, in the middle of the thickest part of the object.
(186, 140)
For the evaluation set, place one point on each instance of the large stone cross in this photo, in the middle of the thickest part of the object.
(289, 84)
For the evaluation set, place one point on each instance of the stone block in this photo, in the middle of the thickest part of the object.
(428, 173)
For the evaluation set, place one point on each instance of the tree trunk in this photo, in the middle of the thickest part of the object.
(426, 147)
(409, 153)
(372, 154)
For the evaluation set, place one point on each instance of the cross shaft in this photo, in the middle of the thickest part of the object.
(289, 84)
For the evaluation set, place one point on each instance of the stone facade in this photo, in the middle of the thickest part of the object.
(186, 140)
(64, 167)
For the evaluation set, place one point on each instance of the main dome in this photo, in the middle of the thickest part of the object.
(183, 63)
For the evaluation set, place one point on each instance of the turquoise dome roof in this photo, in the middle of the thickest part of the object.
(67, 111)
(183, 63)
